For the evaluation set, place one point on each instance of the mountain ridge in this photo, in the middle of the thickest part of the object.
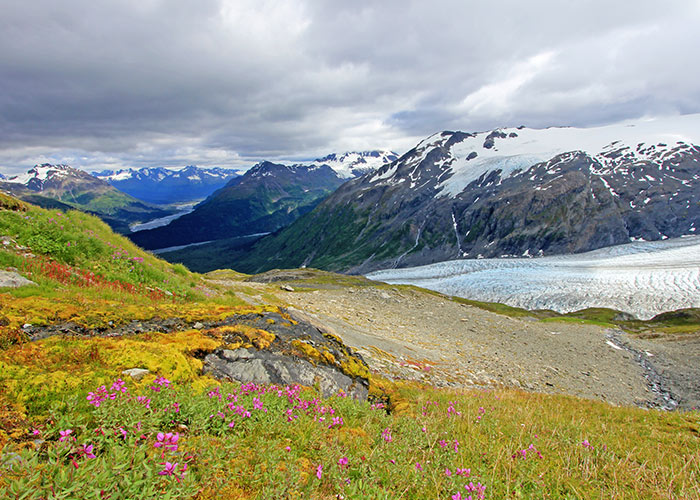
(501, 193)
(62, 186)
(162, 185)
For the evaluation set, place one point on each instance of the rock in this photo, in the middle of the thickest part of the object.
(198, 325)
(265, 367)
(385, 296)
(298, 353)
(623, 316)
(286, 288)
(136, 373)
(13, 280)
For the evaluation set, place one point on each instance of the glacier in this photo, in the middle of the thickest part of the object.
(643, 278)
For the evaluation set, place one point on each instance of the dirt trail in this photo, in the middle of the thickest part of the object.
(406, 333)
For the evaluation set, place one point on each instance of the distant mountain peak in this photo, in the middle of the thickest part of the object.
(354, 163)
(39, 176)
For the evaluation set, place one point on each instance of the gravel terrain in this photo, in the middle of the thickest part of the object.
(406, 333)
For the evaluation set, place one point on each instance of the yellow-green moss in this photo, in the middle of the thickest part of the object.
(39, 373)
(354, 368)
(307, 351)
(237, 336)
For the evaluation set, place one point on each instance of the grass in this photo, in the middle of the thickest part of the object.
(289, 443)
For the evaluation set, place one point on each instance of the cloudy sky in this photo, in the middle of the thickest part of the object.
(131, 83)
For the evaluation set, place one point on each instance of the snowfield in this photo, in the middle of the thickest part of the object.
(641, 278)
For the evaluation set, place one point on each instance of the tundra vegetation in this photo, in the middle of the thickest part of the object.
(72, 425)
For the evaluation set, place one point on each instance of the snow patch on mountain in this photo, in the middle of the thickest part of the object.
(354, 164)
(515, 150)
(641, 278)
(41, 173)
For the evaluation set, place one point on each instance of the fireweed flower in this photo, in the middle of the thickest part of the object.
(419, 467)
(98, 397)
(85, 450)
(118, 386)
(319, 471)
(168, 440)
(168, 469)
(65, 435)
(343, 461)
(386, 434)
(161, 382)
(144, 401)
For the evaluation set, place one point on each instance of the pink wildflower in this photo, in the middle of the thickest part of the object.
(65, 435)
(419, 467)
(319, 471)
(167, 441)
(169, 468)
(86, 451)
(343, 461)
(386, 434)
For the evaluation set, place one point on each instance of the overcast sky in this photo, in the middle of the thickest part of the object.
(131, 83)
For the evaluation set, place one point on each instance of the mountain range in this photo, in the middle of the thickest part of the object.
(267, 197)
(500, 193)
(165, 185)
(64, 187)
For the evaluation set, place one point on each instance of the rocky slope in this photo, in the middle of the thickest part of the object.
(64, 187)
(508, 192)
(165, 185)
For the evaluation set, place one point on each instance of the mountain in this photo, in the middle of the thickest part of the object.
(356, 164)
(268, 196)
(64, 187)
(2, 177)
(502, 193)
(164, 185)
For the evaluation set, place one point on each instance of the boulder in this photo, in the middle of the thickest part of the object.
(12, 279)
(265, 367)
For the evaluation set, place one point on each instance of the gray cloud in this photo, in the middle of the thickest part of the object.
(215, 82)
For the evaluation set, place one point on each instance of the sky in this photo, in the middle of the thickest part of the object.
(107, 84)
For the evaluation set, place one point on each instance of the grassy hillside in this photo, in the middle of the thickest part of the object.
(73, 426)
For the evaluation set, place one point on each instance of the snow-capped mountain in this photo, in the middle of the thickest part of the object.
(267, 197)
(506, 192)
(165, 185)
(48, 184)
(46, 177)
(355, 164)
